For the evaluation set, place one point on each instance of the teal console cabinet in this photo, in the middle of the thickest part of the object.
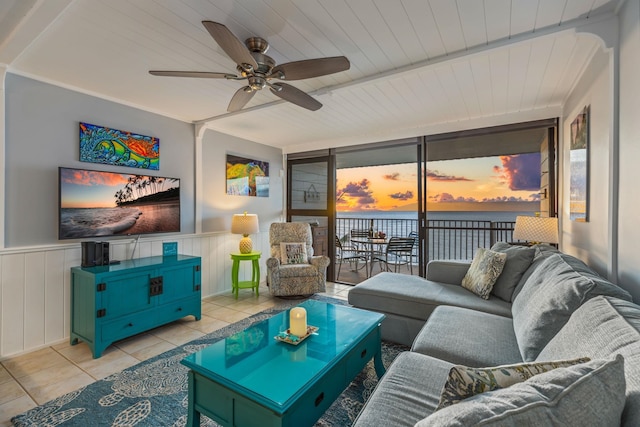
(109, 303)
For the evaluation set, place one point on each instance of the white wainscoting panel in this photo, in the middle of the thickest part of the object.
(35, 282)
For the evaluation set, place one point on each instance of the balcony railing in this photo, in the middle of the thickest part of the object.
(446, 239)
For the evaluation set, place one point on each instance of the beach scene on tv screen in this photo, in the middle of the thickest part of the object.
(94, 204)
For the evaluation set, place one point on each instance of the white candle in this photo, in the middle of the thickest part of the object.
(298, 321)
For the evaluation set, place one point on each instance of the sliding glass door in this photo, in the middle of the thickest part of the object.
(378, 192)
(310, 198)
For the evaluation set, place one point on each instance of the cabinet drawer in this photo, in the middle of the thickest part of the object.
(360, 355)
(319, 397)
(178, 309)
(127, 326)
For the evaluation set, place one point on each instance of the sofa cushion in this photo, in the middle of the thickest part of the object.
(465, 381)
(415, 297)
(601, 327)
(298, 270)
(590, 393)
(408, 392)
(551, 294)
(485, 269)
(447, 270)
(519, 259)
(543, 251)
(468, 337)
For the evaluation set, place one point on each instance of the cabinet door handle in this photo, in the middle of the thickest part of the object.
(319, 399)
(179, 308)
(130, 324)
(363, 354)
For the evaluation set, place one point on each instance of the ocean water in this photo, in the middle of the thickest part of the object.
(81, 222)
(438, 215)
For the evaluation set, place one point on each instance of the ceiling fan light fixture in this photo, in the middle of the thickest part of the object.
(257, 83)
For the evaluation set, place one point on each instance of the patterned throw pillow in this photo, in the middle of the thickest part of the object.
(293, 253)
(464, 382)
(485, 269)
(586, 394)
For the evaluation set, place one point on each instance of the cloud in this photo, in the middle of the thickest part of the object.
(392, 176)
(521, 172)
(437, 176)
(358, 191)
(449, 198)
(504, 199)
(407, 195)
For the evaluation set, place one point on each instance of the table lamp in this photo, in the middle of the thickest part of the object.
(245, 224)
(536, 229)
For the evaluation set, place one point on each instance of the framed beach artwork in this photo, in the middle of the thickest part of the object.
(99, 144)
(579, 167)
(247, 177)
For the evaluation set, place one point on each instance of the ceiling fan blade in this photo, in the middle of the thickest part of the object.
(240, 98)
(295, 95)
(197, 74)
(230, 44)
(308, 68)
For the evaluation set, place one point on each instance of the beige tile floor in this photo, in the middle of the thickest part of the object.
(34, 378)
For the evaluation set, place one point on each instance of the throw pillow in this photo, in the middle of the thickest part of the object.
(293, 253)
(485, 269)
(591, 393)
(519, 258)
(464, 381)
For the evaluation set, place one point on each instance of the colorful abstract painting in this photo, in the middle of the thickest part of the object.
(246, 177)
(100, 144)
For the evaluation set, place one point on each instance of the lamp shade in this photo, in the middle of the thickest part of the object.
(536, 229)
(245, 224)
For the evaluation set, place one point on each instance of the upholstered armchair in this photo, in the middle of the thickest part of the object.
(292, 269)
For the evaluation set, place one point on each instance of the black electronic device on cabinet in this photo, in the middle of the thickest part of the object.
(95, 253)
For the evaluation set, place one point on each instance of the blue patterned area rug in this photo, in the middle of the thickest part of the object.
(154, 392)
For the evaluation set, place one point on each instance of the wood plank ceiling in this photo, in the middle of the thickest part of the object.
(417, 66)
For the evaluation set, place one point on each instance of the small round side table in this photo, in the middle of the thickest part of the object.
(254, 283)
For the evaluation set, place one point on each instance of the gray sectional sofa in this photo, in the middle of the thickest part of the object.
(545, 306)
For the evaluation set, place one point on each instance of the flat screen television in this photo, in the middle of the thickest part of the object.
(101, 204)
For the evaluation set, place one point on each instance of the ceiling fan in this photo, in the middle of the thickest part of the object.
(259, 69)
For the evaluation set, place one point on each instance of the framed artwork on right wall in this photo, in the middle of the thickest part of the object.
(579, 167)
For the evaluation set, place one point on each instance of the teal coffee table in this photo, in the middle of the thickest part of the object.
(251, 379)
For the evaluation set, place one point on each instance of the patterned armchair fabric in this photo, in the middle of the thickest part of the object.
(294, 279)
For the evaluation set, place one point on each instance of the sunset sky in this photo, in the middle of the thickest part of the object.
(505, 183)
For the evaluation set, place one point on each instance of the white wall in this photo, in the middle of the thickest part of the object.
(217, 206)
(590, 241)
(629, 207)
(609, 242)
(42, 134)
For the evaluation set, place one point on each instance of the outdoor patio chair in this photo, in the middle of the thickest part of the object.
(356, 234)
(397, 253)
(350, 254)
(416, 239)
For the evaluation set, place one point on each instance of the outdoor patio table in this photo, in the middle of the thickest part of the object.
(371, 244)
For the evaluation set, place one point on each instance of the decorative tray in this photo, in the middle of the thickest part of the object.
(293, 339)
